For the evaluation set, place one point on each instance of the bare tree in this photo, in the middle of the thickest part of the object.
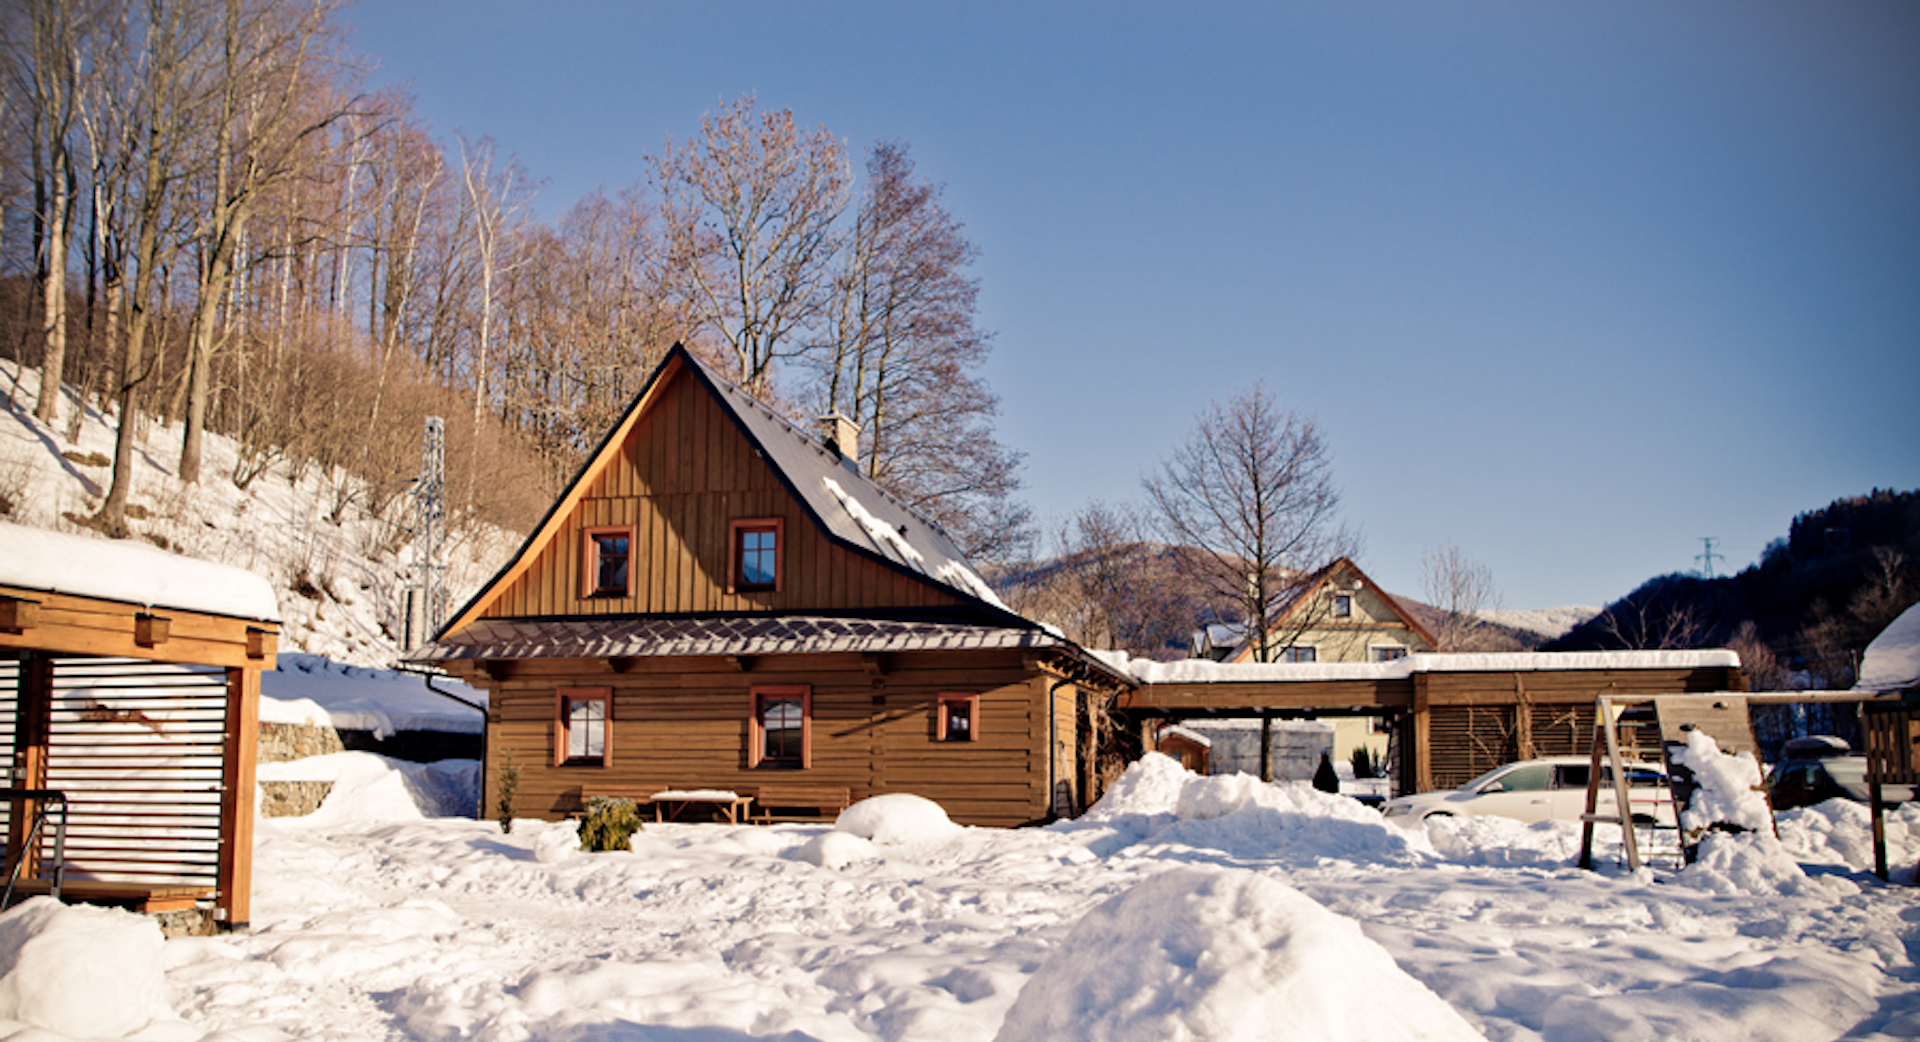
(751, 207)
(900, 360)
(43, 58)
(1460, 588)
(270, 124)
(1652, 624)
(159, 79)
(494, 200)
(1250, 498)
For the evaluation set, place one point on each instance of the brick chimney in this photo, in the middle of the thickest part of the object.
(841, 436)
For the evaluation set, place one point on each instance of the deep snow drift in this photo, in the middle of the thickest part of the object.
(374, 924)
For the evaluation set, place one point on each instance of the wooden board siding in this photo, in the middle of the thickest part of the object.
(683, 723)
(683, 473)
(1477, 721)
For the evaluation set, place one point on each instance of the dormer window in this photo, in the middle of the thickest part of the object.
(756, 555)
(606, 567)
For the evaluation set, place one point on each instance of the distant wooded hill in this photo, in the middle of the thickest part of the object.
(1137, 597)
(1809, 607)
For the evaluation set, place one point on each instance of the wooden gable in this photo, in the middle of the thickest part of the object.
(678, 472)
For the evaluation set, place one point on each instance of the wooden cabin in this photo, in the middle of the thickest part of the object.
(721, 601)
(129, 693)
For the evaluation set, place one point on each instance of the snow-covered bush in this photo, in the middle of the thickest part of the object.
(81, 971)
(897, 818)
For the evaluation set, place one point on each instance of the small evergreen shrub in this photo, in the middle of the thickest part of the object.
(610, 823)
(1362, 758)
(506, 784)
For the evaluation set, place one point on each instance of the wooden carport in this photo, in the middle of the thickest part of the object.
(129, 690)
(1454, 717)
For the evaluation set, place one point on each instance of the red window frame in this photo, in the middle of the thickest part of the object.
(590, 561)
(563, 731)
(737, 531)
(942, 714)
(757, 730)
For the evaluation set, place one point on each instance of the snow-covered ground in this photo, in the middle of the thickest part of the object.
(1178, 908)
(340, 584)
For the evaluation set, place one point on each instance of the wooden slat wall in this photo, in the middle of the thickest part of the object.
(1479, 721)
(682, 476)
(682, 723)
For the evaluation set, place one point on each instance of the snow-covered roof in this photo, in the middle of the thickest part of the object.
(1892, 661)
(1201, 671)
(131, 573)
(308, 689)
(854, 509)
(1191, 735)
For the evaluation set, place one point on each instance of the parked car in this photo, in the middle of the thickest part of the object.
(1550, 789)
(1820, 768)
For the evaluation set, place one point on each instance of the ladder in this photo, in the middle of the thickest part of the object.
(1721, 716)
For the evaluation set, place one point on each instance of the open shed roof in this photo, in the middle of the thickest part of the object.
(130, 573)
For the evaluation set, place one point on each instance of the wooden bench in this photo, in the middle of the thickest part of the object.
(779, 802)
(139, 897)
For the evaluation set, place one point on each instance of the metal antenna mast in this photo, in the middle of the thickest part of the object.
(1706, 557)
(430, 508)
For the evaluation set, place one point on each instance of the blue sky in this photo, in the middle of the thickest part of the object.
(1568, 285)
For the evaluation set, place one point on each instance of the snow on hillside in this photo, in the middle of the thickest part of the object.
(1548, 622)
(340, 585)
(1205, 909)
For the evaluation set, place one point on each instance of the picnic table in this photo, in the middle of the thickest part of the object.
(669, 804)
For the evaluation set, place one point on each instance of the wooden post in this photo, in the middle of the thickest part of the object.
(234, 901)
(33, 719)
(1419, 766)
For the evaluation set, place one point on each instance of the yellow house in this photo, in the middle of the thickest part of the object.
(1341, 615)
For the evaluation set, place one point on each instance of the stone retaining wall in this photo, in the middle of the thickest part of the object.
(282, 742)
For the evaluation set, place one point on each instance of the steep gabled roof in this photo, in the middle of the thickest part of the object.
(1304, 593)
(847, 506)
(853, 509)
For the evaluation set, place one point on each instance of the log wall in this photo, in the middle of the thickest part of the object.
(683, 724)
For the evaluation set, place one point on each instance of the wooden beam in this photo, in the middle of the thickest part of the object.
(740, 663)
(149, 630)
(234, 880)
(498, 669)
(18, 615)
(262, 644)
(32, 727)
(874, 663)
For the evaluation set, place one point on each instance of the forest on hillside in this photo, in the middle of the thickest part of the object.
(208, 218)
(1802, 614)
